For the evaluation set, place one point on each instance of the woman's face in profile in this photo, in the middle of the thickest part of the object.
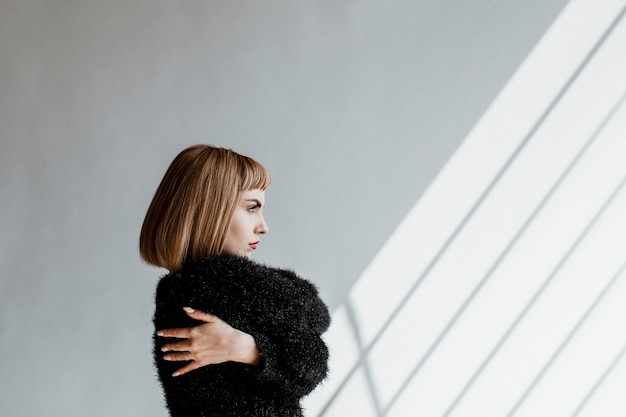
(246, 225)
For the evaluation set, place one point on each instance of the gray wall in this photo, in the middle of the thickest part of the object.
(353, 106)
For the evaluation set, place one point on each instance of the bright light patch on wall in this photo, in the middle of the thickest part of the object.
(344, 355)
(609, 401)
(501, 292)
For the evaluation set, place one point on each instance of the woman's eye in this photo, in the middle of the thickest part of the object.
(252, 209)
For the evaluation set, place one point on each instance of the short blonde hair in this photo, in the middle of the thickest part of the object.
(191, 209)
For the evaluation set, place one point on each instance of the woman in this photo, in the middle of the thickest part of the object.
(260, 350)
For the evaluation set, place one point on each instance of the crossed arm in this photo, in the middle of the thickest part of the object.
(212, 342)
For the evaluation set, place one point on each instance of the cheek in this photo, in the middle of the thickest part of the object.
(237, 229)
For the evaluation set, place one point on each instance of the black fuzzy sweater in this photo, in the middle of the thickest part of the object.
(283, 313)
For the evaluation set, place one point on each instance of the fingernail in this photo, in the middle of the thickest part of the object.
(176, 373)
(188, 309)
(164, 349)
(167, 357)
(159, 333)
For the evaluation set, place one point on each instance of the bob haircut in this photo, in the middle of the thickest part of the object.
(191, 209)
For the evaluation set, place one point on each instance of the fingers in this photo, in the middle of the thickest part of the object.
(200, 315)
(190, 335)
(175, 333)
(178, 356)
(195, 345)
(185, 333)
(187, 368)
(184, 346)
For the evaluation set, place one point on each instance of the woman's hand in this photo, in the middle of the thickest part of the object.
(210, 343)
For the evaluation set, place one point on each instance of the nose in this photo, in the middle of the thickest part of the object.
(262, 227)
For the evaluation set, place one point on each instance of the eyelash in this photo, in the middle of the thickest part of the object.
(252, 209)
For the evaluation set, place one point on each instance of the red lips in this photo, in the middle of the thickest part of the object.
(253, 245)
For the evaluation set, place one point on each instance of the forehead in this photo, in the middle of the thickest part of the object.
(252, 195)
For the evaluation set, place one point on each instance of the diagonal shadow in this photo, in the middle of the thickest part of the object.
(566, 341)
(362, 361)
(600, 381)
(488, 359)
(536, 296)
(500, 259)
(540, 121)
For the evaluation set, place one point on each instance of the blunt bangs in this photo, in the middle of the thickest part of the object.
(254, 175)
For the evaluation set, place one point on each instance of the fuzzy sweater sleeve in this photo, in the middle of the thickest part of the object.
(282, 311)
(295, 356)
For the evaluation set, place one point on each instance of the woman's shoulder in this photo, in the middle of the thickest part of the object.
(226, 266)
(224, 269)
(231, 271)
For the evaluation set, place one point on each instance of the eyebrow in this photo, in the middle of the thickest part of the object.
(254, 200)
